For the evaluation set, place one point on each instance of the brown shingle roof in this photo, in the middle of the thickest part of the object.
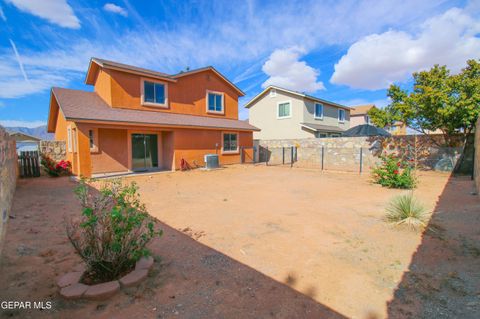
(361, 109)
(79, 105)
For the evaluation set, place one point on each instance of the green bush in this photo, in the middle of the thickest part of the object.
(394, 172)
(406, 210)
(113, 231)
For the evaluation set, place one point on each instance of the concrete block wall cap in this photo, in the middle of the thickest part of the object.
(74, 291)
(69, 279)
(144, 263)
(134, 278)
(102, 291)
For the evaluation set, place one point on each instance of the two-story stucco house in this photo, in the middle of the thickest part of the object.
(284, 114)
(359, 115)
(139, 119)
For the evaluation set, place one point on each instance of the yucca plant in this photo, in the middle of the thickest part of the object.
(407, 210)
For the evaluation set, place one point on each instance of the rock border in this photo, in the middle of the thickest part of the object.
(72, 289)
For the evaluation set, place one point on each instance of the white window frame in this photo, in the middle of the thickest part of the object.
(223, 102)
(344, 115)
(74, 138)
(273, 92)
(290, 110)
(238, 143)
(315, 111)
(142, 88)
(94, 147)
(69, 138)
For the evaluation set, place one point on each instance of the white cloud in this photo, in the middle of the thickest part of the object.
(20, 123)
(55, 11)
(2, 15)
(285, 70)
(229, 44)
(378, 60)
(19, 60)
(110, 7)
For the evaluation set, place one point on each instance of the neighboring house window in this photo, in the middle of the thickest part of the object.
(273, 93)
(284, 110)
(341, 115)
(334, 135)
(367, 119)
(154, 93)
(69, 138)
(318, 111)
(322, 135)
(230, 142)
(215, 102)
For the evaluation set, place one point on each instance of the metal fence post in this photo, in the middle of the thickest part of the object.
(291, 156)
(361, 159)
(323, 155)
(283, 155)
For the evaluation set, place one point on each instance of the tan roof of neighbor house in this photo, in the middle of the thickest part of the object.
(90, 78)
(361, 109)
(82, 106)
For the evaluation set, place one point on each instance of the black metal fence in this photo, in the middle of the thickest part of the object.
(353, 159)
(29, 164)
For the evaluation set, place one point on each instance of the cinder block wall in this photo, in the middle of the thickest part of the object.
(8, 179)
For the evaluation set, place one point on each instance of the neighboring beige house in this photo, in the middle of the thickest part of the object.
(284, 114)
(359, 115)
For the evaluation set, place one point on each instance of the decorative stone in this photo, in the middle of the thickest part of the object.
(74, 291)
(144, 263)
(134, 278)
(102, 291)
(80, 267)
(69, 279)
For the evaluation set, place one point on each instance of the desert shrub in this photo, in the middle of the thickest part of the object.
(394, 172)
(113, 231)
(406, 210)
(55, 169)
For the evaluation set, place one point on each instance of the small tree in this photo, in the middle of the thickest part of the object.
(438, 101)
(113, 231)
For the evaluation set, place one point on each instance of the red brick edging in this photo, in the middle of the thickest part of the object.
(71, 288)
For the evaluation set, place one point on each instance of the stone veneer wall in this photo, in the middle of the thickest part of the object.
(344, 153)
(56, 150)
(8, 179)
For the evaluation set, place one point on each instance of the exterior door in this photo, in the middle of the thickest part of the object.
(144, 152)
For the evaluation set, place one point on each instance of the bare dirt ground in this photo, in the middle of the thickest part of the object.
(259, 242)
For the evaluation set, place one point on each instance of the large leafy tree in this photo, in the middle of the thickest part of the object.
(438, 101)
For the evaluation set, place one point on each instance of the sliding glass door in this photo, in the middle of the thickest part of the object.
(144, 152)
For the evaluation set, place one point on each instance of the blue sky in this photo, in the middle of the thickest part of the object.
(345, 51)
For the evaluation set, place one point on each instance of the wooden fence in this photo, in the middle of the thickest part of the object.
(29, 164)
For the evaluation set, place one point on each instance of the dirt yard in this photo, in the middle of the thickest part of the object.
(258, 242)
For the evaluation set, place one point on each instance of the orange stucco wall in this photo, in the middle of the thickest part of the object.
(192, 145)
(186, 96)
(111, 155)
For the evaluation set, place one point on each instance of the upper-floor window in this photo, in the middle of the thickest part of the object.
(284, 110)
(341, 115)
(318, 111)
(215, 102)
(154, 93)
(273, 93)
